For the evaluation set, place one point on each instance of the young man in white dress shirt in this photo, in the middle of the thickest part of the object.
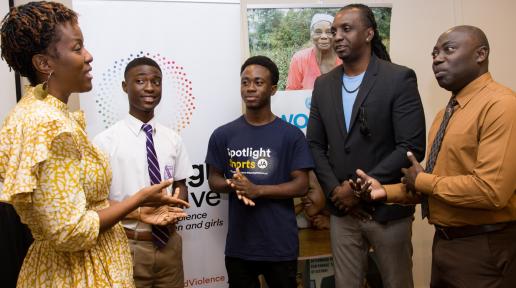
(157, 263)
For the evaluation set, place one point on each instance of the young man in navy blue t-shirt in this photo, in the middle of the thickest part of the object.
(262, 162)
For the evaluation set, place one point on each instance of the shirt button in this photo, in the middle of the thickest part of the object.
(347, 150)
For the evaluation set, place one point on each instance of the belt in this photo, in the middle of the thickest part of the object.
(139, 236)
(144, 235)
(449, 233)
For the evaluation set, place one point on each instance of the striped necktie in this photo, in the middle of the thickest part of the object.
(160, 234)
(434, 150)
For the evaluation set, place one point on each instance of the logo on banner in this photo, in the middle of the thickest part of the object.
(300, 120)
(179, 110)
(308, 102)
(294, 109)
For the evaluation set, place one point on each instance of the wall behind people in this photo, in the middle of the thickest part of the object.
(8, 94)
(415, 27)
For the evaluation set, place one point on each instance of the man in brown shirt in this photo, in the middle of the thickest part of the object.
(470, 191)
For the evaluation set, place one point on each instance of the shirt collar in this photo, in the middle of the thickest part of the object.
(43, 95)
(473, 88)
(60, 105)
(135, 125)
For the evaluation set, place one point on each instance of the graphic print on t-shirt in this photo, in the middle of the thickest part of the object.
(266, 155)
(250, 160)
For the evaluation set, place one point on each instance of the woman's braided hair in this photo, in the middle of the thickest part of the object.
(30, 29)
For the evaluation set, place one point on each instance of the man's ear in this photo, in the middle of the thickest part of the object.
(42, 64)
(274, 88)
(370, 34)
(124, 86)
(482, 54)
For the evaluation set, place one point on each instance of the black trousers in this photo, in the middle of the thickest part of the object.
(15, 239)
(484, 260)
(244, 273)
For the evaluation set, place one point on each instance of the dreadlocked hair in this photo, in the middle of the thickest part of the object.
(377, 46)
(30, 29)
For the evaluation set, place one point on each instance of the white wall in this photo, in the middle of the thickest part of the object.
(8, 92)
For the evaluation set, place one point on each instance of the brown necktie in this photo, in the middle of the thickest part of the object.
(436, 146)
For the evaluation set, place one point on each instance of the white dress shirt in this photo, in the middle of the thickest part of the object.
(125, 144)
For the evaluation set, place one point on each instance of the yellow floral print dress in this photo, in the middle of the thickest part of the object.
(56, 179)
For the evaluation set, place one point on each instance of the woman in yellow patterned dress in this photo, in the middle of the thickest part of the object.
(55, 178)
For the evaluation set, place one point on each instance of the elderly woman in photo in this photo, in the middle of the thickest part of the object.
(308, 64)
(57, 181)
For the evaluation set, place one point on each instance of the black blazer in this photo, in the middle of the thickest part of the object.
(387, 120)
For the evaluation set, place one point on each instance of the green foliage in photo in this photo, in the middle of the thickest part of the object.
(279, 33)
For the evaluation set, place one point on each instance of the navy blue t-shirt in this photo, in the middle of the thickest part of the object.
(266, 155)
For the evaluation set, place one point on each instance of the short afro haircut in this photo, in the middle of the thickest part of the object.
(264, 62)
(140, 61)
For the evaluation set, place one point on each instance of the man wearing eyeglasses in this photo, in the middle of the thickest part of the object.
(365, 113)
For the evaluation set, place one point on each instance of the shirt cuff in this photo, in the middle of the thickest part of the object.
(395, 193)
(425, 183)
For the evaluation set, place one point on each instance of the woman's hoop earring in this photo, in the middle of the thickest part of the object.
(45, 84)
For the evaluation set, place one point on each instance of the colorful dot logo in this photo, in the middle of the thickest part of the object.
(179, 110)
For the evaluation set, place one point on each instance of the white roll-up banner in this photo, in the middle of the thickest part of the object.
(197, 45)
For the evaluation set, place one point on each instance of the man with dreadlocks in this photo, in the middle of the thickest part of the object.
(365, 113)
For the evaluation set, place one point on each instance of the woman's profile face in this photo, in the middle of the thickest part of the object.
(70, 61)
(321, 35)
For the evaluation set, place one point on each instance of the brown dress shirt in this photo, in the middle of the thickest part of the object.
(474, 178)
